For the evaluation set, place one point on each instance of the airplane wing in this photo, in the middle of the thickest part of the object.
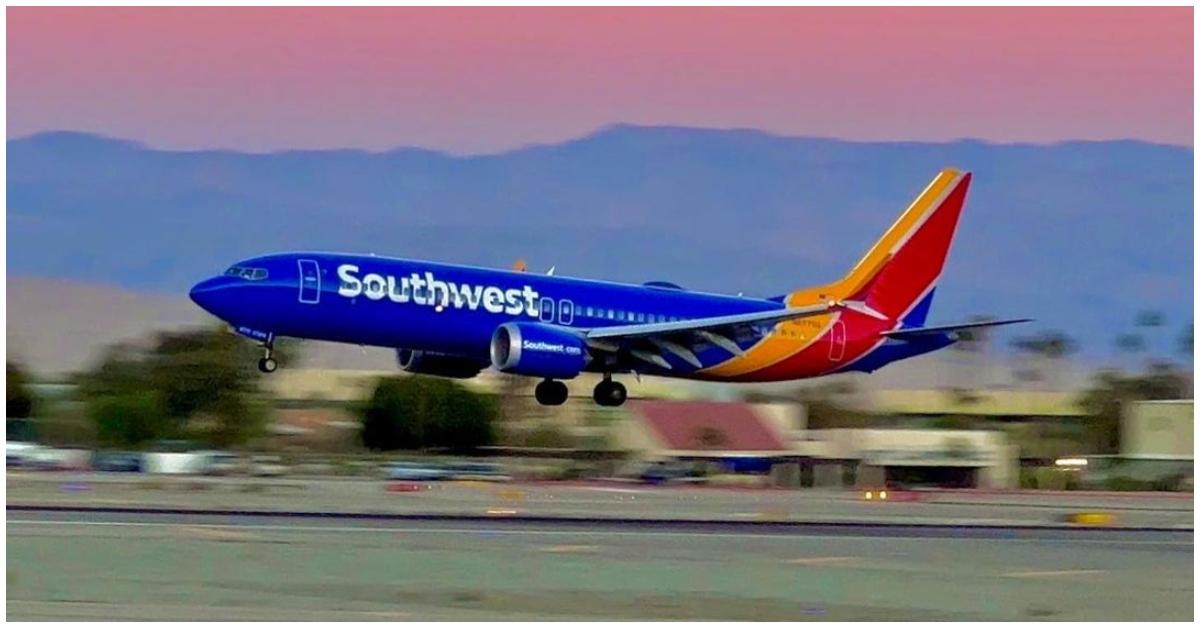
(674, 337)
(901, 334)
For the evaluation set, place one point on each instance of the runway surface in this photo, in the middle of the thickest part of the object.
(138, 566)
(589, 501)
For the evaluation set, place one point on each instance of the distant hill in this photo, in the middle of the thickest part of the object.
(1080, 235)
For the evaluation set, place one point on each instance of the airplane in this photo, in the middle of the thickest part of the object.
(455, 321)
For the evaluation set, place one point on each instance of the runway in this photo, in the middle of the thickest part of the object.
(139, 566)
(368, 496)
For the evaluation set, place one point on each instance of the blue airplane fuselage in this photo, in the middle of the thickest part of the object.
(443, 308)
(453, 320)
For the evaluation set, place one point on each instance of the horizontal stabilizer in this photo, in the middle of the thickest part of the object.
(904, 334)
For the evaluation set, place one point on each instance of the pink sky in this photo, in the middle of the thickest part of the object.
(471, 80)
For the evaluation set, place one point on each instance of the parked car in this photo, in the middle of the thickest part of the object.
(893, 492)
(55, 459)
(117, 462)
(670, 472)
(219, 463)
(267, 466)
(478, 471)
(20, 454)
(416, 471)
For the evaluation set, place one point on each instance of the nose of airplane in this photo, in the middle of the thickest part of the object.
(204, 294)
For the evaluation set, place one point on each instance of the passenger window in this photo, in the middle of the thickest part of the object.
(612, 314)
(589, 311)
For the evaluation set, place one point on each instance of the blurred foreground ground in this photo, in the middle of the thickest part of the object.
(175, 567)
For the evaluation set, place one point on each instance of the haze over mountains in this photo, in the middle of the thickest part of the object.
(1079, 235)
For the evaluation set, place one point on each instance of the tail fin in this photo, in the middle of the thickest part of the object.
(898, 275)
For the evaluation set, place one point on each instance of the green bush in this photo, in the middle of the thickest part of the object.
(19, 397)
(416, 412)
(1029, 478)
(129, 419)
(1123, 483)
(202, 383)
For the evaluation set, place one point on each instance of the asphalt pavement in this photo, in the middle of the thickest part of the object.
(600, 501)
(94, 565)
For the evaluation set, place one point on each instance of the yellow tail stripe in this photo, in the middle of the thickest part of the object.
(883, 249)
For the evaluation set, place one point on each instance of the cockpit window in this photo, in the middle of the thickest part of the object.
(253, 274)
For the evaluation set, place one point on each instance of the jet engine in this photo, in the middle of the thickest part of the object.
(427, 363)
(538, 350)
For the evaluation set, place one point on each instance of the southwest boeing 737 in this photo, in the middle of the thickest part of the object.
(455, 321)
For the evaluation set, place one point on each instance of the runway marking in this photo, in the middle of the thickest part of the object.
(570, 549)
(821, 560)
(1051, 574)
(216, 534)
(89, 610)
(782, 536)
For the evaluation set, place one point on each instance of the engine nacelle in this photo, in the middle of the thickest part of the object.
(426, 363)
(538, 350)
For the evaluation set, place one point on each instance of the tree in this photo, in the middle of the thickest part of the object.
(19, 397)
(128, 419)
(974, 340)
(1048, 344)
(417, 412)
(1149, 318)
(1111, 390)
(1130, 343)
(203, 381)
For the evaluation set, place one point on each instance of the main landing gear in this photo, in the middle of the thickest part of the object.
(268, 364)
(550, 392)
(609, 393)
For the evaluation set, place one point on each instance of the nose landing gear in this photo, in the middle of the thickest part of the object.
(267, 364)
(609, 393)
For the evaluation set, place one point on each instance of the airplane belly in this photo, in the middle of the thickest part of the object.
(389, 325)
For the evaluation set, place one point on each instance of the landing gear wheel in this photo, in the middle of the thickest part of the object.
(609, 393)
(268, 364)
(550, 393)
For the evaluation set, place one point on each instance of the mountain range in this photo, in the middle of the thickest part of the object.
(1078, 235)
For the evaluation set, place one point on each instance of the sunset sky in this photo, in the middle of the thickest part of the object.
(471, 80)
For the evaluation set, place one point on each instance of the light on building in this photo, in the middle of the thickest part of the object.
(1071, 462)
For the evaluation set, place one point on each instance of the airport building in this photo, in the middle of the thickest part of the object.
(1163, 429)
(770, 440)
